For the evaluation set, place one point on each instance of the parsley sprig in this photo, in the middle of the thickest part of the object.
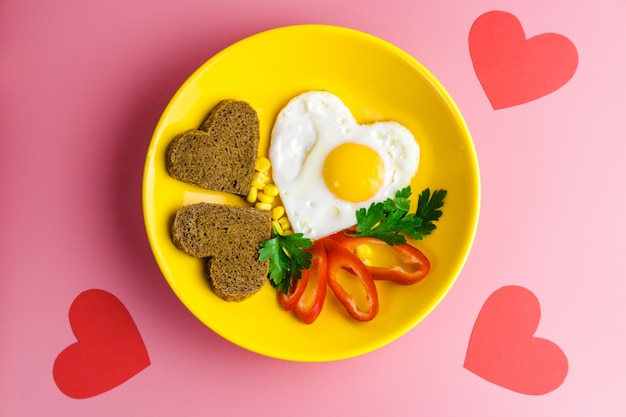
(287, 258)
(390, 220)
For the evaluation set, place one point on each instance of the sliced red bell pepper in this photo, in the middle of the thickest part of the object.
(288, 301)
(340, 236)
(341, 258)
(316, 275)
(400, 274)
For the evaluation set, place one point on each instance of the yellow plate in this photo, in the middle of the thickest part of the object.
(377, 81)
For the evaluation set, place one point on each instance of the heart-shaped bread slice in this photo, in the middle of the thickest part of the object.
(229, 237)
(220, 155)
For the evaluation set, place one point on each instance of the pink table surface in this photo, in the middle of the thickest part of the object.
(82, 85)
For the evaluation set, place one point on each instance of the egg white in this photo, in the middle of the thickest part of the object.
(305, 132)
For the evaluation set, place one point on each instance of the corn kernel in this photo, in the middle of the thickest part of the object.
(259, 180)
(277, 226)
(284, 222)
(278, 212)
(264, 198)
(252, 195)
(263, 206)
(287, 232)
(363, 251)
(271, 190)
(262, 164)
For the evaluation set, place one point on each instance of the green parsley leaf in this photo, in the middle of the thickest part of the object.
(428, 209)
(401, 199)
(368, 219)
(287, 258)
(390, 220)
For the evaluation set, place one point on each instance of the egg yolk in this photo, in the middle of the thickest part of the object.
(353, 172)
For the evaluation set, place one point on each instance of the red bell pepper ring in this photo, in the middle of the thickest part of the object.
(340, 258)
(296, 300)
(288, 301)
(400, 274)
(319, 269)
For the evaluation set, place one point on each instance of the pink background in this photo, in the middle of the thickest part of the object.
(82, 85)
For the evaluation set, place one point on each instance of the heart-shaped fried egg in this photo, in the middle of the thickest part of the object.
(327, 166)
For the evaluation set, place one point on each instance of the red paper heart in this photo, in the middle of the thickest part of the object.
(109, 350)
(513, 70)
(504, 351)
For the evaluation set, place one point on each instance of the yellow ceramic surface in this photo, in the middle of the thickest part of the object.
(377, 81)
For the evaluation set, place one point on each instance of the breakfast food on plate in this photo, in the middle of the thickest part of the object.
(330, 194)
(228, 237)
(220, 155)
(327, 166)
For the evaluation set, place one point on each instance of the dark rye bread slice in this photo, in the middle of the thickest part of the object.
(229, 237)
(220, 155)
